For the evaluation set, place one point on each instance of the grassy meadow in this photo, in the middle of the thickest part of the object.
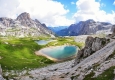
(18, 53)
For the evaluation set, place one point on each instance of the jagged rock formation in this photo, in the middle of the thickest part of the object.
(86, 28)
(23, 26)
(113, 34)
(91, 45)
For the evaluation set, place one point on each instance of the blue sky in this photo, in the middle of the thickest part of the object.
(56, 13)
(106, 5)
(69, 4)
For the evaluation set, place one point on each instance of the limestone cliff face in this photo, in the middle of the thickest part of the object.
(6, 21)
(25, 19)
(91, 45)
(23, 26)
(113, 34)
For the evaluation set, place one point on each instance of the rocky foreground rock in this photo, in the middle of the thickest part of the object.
(91, 45)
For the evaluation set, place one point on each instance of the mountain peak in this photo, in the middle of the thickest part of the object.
(90, 20)
(24, 16)
(25, 19)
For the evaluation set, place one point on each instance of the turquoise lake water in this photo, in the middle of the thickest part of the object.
(44, 42)
(60, 52)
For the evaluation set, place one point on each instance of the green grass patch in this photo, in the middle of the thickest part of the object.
(106, 75)
(112, 55)
(66, 41)
(89, 76)
(18, 53)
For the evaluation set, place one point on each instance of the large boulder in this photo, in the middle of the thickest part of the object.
(113, 32)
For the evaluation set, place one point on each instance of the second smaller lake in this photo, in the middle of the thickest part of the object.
(44, 42)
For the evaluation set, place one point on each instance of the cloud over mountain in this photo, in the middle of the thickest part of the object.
(54, 13)
(90, 9)
(47, 11)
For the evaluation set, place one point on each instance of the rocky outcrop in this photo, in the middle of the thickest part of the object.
(23, 26)
(113, 32)
(86, 28)
(6, 21)
(25, 20)
(91, 45)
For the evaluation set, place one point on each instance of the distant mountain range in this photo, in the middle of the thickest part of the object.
(23, 26)
(85, 28)
(56, 29)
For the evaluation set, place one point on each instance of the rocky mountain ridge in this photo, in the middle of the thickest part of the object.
(23, 26)
(86, 28)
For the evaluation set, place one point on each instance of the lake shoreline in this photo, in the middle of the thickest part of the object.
(41, 53)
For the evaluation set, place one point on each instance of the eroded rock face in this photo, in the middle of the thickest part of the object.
(25, 19)
(113, 32)
(24, 16)
(91, 45)
(6, 21)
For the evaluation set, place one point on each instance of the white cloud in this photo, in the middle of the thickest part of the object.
(50, 12)
(114, 3)
(8, 9)
(90, 9)
(103, 5)
(99, 0)
(72, 2)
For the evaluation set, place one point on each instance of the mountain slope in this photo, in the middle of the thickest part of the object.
(86, 28)
(23, 26)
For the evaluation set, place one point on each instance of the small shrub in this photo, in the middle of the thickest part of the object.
(103, 42)
(89, 76)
